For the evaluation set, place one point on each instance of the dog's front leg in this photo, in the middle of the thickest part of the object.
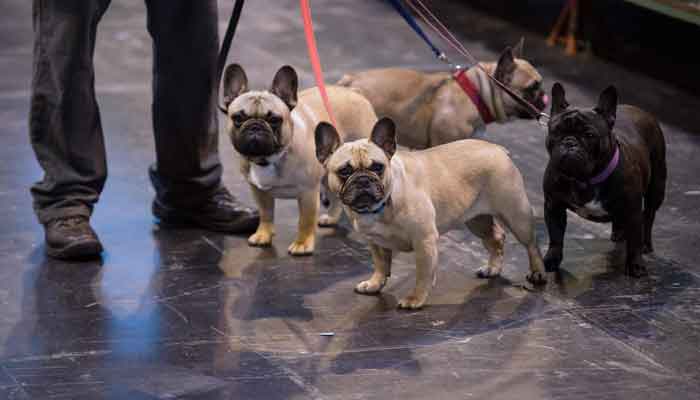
(634, 233)
(308, 215)
(426, 272)
(381, 260)
(555, 218)
(335, 211)
(266, 228)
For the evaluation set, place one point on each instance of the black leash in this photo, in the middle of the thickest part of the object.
(226, 44)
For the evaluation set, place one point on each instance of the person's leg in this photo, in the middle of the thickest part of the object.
(187, 172)
(64, 124)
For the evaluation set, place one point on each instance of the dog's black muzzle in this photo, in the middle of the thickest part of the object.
(256, 139)
(363, 192)
(571, 158)
(537, 99)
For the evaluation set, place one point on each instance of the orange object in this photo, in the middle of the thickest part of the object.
(570, 12)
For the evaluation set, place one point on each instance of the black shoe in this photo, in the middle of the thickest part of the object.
(71, 238)
(221, 212)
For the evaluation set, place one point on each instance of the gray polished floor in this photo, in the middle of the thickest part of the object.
(190, 314)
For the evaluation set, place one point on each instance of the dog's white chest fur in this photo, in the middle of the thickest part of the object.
(263, 177)
(272, 179)
(592, 209)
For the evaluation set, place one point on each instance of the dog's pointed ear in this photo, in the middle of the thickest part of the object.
(506, 66)
(327, 141)
(285, 86)
(559, 103)
(607, 105)
(518, 49)
(235, 83)
(384, 136)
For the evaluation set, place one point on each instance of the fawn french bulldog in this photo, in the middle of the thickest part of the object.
(273, 131)
(403, 201)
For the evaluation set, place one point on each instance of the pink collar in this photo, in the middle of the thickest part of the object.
(601, 177)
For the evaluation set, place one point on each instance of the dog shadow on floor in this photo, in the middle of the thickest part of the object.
(382, 337)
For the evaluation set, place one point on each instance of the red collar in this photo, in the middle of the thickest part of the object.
(466, 84)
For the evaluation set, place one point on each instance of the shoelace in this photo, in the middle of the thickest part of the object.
(69, 222)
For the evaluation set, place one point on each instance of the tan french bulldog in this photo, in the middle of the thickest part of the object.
(403, 201)
(432, 108)
(273, 131)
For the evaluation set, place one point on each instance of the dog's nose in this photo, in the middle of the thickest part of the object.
(363, 182)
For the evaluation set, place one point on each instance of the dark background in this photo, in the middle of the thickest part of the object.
(660, 46)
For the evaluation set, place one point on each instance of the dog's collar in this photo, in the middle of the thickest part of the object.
(377, 209)
(470, 90)
(609, 169)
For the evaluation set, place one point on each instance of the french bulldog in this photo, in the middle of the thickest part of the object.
(607, 164)
(403, 201)
(273, 132)
(432, 108)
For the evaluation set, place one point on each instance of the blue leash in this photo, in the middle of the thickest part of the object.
(412, 22)
(541, 117)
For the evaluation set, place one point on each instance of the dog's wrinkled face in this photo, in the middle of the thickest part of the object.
(580, 141)
(358, 172)
(521, 76)
(259, 123)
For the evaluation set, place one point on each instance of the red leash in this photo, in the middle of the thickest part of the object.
(468, 86)
(313, 56)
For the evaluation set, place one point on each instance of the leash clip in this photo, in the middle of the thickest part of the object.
(543, 120)
(442, 57)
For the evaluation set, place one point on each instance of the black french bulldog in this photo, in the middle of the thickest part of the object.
(607, 164)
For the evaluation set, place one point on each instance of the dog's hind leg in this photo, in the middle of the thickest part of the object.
(654, 197)
(518, 218)
(493, 237)
(652, 201)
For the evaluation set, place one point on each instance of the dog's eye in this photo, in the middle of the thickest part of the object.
(274, 121)
(345, 172)
(377, 168)
(238, 120)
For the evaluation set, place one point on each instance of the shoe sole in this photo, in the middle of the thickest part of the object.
(183, 222)
(77, 251)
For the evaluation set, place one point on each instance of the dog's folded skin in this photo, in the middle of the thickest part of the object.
(273, 131)
(607, 164)
(432, 109)
(403, 201)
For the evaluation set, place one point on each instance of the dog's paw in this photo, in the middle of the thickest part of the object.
(412, 302)
(552, 260)
(537, 278)
(487, 272)
(261, 238)
(636, 270)
(326, 221)
(301, 247)
(617, 236)
(370, 286)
